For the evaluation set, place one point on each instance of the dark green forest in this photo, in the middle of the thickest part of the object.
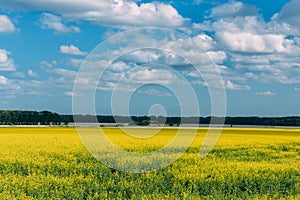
(17, 117)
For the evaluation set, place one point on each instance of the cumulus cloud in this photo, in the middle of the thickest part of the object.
(256, 49)
(251, 34)
(71, 49)
(8, 86)
(233, 9)
(204, 42)
(54, 22)
(232, 86)
(75, 62)
(246, 60)
(127, 77)
(6, 63)
(149, 75)
(250, 24)
(6, 25)
(267, 93)
(145, 56)
(120, 13)
(60, 77)
(164, 50)
(119, 66)
(289, 13)
(217, 56)
(282, 68)
(63, 72)
(3, 80)
(154, 92)
(70, 94)
(32, 73)
(45, 64)
(254, 43)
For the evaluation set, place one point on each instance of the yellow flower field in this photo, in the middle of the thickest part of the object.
(246, 163)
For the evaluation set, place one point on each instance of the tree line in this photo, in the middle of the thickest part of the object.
(17, 117)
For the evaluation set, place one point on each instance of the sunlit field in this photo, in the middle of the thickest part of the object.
(52, 163)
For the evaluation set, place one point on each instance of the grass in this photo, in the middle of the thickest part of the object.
(52, 163)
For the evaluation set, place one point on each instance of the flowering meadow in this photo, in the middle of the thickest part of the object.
(246, 163)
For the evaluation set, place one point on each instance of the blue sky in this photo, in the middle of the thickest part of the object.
(255, 45)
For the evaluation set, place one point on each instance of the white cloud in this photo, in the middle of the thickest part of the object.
(3, 80)
(204, 41)
(6, 26)
(249, 42)
(259, 50)
(6, 63)
(64, 72)
(76, 62)
(145, 56)
(70, 94)
(84, 81)
(127, 80)
(32, 73)
(250, 34)
(233, 9)
(201, 49)
(120, 13)
(154, 56)
(148, 75)
(282, 68)
(45, 64)
(60, 77)
(250, 59)
(256, 49)
(3, 55)
(53, 22)
(267, 93)
(232, 86)
(119, 67)
(154, 92)
(8, 86)
(217, 56)
(248, 24)
(289, 14)
(73, 50)
(163, 50)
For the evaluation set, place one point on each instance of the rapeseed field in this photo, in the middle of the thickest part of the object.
(246, 163)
